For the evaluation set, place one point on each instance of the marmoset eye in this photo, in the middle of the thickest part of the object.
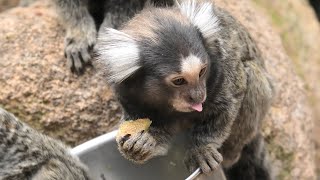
(203, 71)
(179, 81)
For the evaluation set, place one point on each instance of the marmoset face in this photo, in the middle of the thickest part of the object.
(173, 58)
(167, 52)
(189, 86)
(182, 84)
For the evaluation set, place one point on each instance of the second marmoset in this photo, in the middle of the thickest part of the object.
(26, 154)
(194, 64)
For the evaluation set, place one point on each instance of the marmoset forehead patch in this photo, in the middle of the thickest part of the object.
(191, 67)
(191, 64)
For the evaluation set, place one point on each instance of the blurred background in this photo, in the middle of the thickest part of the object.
(296, 21)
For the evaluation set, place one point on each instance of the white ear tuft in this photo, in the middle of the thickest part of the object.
(177, 3)
(119, 53)
(202, 16)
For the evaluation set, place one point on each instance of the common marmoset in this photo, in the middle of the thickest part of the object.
(82, 19)
(191, 63)
(26, 154)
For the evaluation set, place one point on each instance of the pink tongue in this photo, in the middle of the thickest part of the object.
(197, 107)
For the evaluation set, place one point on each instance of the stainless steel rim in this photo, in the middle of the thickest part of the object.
(100, 140)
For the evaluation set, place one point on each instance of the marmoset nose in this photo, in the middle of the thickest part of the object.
(196, 97)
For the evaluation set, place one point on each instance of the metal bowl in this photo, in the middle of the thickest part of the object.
(105, 162)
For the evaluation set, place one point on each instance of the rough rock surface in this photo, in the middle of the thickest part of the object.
(7, 4)
(299, 28)
(36, 86)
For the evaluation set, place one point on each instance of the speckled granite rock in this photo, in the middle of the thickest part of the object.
(7, 4)
(299, 28)
(36, 85)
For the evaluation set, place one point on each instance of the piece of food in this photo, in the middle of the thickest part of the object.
(133, 127)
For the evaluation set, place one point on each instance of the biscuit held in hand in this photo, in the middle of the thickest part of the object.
(133, 127)
(138, 142)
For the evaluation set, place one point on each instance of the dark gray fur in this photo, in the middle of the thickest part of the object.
(26, 154)
(82, 19)
(239, 93)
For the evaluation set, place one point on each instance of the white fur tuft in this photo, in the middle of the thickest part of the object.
(202, 16)
(119, 53)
